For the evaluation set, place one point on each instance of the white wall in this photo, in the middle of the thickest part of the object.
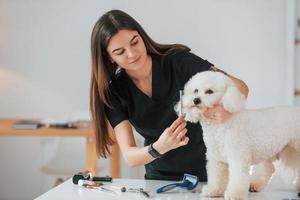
(45, 61)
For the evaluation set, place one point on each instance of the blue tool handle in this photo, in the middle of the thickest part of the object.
(167, 187)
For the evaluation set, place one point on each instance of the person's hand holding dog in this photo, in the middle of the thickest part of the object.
(217, 113)
(172, 137)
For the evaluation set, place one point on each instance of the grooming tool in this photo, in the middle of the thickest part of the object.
(180, 102)
(139, 190)
(188, 182)
(87, 175)
(97, 186)
(116, 188)
(102, 178)
(84, 175)
(108, 190)
(92, 186)
(81, 182)
(89, 184)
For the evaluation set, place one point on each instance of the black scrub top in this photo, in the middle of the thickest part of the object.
(150, 116)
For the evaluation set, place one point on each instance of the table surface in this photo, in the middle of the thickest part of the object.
(69, 191)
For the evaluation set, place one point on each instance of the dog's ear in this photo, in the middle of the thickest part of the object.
(233, 100)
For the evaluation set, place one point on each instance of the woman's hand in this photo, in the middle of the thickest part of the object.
(173, 136)
(217, 114)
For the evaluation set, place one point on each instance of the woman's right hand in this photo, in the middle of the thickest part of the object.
(172, 137)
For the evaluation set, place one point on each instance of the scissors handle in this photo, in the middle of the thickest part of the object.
(167, 187)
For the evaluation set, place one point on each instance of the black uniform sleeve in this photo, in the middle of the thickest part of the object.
(188, 64)
(118, 112)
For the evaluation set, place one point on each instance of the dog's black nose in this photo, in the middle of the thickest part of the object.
(197, 101)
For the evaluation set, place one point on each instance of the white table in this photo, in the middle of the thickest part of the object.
(69, 191)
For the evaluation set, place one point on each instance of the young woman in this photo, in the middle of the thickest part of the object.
(135, 82)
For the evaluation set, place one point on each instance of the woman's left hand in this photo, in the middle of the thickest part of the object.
(217, 114)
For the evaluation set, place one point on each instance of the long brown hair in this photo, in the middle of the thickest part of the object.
(103, 70)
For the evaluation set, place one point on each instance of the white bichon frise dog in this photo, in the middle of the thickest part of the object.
(249, 137)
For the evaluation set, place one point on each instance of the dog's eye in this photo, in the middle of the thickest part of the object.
(196, 91)
(209, 91)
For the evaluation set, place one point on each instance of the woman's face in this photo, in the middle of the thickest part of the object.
(127, 49)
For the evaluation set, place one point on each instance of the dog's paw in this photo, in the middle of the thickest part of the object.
(235, 195)
(257, 185)
(209, 191)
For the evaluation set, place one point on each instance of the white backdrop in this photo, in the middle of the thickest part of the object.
(45, 61)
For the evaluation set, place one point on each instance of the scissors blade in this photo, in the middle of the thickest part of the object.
(180, 101)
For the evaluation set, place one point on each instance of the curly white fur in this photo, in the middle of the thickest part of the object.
(249, 137)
